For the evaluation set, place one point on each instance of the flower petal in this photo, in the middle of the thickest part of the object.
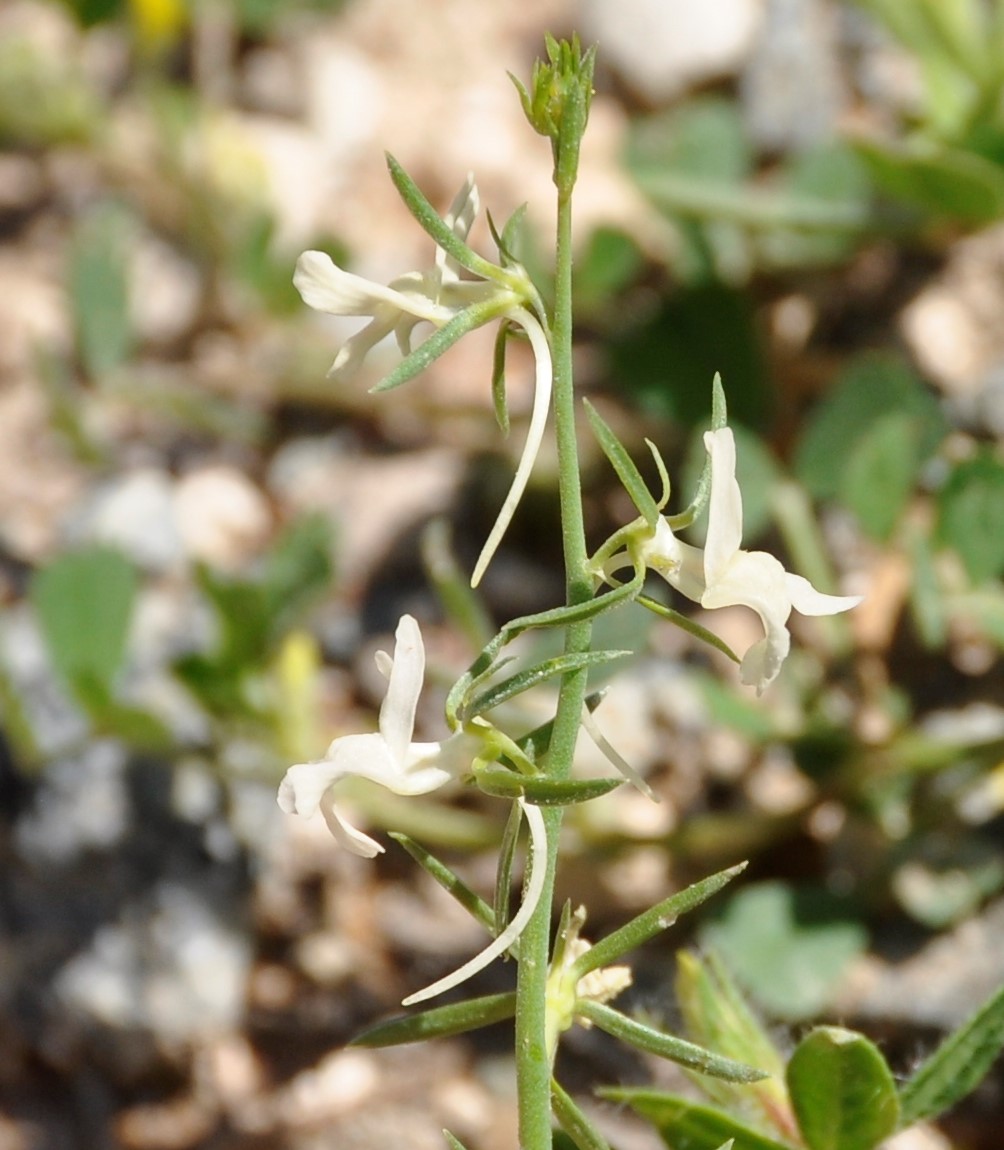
(325, 286)
(758, 580)
(345, 834)
(459, 219)
(534, 436)
(725, 506)
(680, 564)
(397, 712)
(304, 784)
(533, 889)
(808, 601)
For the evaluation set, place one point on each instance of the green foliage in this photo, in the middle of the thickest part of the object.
(971, 515)
(957, 1066)
(842, 1091)
(880, 472)
(253, 615)
(687, 1125)
(788, 945)
(42, 101)
(84, 601)
(869, 389)
(99, 290)
(440, 1021)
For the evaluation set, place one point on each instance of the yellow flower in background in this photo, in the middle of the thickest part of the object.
(158, 23)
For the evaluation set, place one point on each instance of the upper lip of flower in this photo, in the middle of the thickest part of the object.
(387, 756)
(723, 574)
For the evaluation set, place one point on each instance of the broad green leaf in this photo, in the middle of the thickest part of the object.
(99, 290)
(944, 182)
(686, 1125)
(651, 922)
(842, 1091)
(543, 792)
(84, 602)
(440, 1022)
(880, 471)
(971, 515)
(787, 945)
(624, 466)
(957, 1066)
(871, 387)
(667, 1046)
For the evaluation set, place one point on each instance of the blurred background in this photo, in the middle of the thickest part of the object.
(202, 541)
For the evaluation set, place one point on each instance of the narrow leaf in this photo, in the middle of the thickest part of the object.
(667, 1046)
(842, 1091)
(651, 922)
(957, 1066)
(453, 1142)
(473, 903)
(436, 345)
(432, 223)
(683, 1123)
(539, 673)
(574, 1123)
(498, 378)
(543, 792)
(624, 465)
(440, 1022)
(689, 625)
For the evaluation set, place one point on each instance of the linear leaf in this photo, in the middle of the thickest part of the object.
(957, 1066)
(440, 1022)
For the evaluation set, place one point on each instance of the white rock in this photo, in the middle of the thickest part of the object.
(223, 519)
(135, 513)
(165, 291)
(661, 47)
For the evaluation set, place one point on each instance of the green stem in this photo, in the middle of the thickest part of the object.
(533, 1069)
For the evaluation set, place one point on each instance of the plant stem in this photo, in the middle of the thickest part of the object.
(533, 1069)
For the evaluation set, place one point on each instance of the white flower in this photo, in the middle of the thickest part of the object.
(723, 574)
(437, 296)
(390, 758)
(386, 756)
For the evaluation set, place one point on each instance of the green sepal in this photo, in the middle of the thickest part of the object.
(473, 903)
(651, 922)
(434, 225)
(667, 1046)
(499, 401)
(543, 792)
(682, 1122)
(440, 1022)
(503, 872)
(842, 1091)
(484, 664)
(538, 673)
(511, 235)
(437, 344)
(685, 623)
(574, 1122)
(957, 1066)
(624, 465)
(719, 417)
